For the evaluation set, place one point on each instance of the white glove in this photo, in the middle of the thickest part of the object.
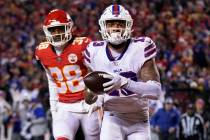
(116, 82)
(93, 108)
(98, 105)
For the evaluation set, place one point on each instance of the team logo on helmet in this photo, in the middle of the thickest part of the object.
(72, 58)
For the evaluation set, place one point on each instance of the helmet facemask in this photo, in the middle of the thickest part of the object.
(60, 38)
(116, 35)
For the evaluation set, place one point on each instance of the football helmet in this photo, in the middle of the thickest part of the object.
(115, 12)
(58, 19)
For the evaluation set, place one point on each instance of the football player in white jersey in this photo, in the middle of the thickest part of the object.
(134, 77)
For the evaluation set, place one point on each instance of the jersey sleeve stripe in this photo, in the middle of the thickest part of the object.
(87, 59)
(87, 53)
(149, 47)
(86, 56)
(149, 53)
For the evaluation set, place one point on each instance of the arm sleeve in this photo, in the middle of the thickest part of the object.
(149, 89)
(53, 93)
(51, 84)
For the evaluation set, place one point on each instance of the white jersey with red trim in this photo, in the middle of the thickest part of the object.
(98, 57)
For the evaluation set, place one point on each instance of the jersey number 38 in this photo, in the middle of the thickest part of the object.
(68, 79)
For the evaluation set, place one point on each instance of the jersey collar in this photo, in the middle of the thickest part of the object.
(67, 43)
(109, 54)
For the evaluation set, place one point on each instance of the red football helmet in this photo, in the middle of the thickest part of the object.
(58, 19)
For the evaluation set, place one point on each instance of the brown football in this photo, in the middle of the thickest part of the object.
(94, 81)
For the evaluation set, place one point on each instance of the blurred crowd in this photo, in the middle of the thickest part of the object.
(169, 123)
(180, 29)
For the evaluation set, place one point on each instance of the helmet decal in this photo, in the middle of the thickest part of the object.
(116, 10)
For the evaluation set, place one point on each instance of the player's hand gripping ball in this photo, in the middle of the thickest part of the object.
(95, 80)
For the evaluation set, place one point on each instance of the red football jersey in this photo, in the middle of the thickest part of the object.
(66, 70)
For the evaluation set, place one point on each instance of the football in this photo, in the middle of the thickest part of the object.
(94, 81)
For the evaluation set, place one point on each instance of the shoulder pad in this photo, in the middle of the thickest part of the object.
(145, 40)
(147, 45)
(81, 40)
(97, 43)
(43, 45)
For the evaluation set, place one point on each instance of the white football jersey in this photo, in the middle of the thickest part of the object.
(98, 57)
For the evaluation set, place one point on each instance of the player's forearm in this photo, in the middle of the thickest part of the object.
(53, 105)
(53, 94)
(149, 89)
(53, 91)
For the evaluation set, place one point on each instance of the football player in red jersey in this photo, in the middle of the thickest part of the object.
(61, 56)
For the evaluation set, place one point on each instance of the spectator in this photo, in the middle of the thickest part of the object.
(16, 126)
(200, 109)
(24, 112)
(5, 116)
(165, 121)
(191, 125)
(38, 120)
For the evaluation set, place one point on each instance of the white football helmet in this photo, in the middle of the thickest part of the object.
(115, 12)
